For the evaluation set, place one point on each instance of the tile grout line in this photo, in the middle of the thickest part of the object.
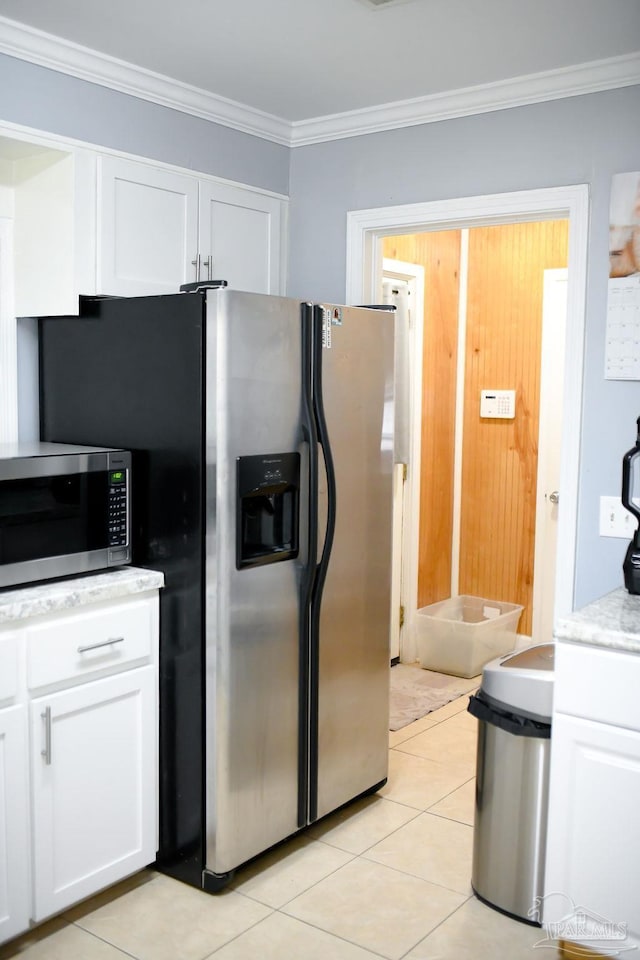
(405, 873)
(90, 933)
(417, 813)
(438, 924)
(241, 932)
(352, 857)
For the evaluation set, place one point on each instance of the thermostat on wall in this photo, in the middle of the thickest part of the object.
(498, 404)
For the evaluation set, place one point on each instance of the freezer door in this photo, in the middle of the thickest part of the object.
(354, 615)
(256, 551)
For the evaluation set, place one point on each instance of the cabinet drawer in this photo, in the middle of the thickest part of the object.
(598, 684)
(8, 666)
(101, 640)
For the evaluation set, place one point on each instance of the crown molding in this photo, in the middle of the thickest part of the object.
(45, 50)
(534, 88)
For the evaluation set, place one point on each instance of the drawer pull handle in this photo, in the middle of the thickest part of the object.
(46, 753)
(102, 643)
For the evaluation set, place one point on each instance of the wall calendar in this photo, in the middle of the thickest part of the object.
(622, 354)
(622, 350)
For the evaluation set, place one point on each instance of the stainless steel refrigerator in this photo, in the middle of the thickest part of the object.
(261, 431)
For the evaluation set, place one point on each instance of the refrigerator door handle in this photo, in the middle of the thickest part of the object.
(323, 564)
(310, 437)
(323, 440)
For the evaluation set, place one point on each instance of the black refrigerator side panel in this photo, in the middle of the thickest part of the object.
(129, 373)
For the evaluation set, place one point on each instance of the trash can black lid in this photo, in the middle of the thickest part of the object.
(521, 726)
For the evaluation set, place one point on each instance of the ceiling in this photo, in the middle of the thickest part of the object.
(299, 60)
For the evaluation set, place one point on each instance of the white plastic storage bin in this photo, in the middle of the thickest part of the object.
(461, 634)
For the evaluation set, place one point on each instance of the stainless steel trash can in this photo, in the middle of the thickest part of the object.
(513, 707)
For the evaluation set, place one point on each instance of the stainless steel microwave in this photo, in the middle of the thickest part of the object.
(64, 510)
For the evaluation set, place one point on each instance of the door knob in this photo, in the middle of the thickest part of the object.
(554, 497)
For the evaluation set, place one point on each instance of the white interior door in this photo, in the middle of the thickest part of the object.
(554, 321)
(403, 287)
(396, 293)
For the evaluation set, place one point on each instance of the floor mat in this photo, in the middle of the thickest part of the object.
(415, 692)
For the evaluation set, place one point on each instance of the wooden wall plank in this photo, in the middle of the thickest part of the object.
(499, 464)
(502, 351)
(439, 254)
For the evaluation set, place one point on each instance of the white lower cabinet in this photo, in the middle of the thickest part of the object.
(15, 892)
(592, 879)
(78, 753)
(92, 786)
(594, 830)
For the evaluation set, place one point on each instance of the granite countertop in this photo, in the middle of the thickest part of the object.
(57, 595)
(613, 621)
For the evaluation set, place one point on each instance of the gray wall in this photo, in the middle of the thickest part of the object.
(53, 102)
(579, 140)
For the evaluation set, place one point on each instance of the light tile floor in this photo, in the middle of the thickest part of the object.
(386, 877)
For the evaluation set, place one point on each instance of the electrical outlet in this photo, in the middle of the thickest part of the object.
(615, 520)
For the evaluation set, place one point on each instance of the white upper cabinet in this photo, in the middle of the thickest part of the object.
(53, 194)
(158, 229)
(240, 231)
(147, 228)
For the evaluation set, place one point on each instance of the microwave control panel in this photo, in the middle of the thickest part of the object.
(117, 508)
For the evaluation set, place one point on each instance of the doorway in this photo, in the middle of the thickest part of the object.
(366, 232)
(478, 469)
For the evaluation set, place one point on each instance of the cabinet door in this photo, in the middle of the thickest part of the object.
(241, 231)
(593, 865)
(14, 826)
(147, 228)
(94, 780)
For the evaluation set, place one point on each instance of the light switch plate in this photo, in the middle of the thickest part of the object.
(615, 520)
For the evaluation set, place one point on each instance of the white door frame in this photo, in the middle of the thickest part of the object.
(365, 228)
(406, 586)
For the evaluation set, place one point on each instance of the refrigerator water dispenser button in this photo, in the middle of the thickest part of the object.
(267, 511)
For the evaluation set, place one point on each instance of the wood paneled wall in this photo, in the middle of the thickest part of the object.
(439, 254)
(499, 457)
